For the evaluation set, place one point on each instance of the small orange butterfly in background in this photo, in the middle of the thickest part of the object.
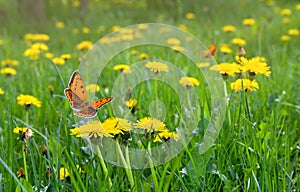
(77, 95)
(211, 51)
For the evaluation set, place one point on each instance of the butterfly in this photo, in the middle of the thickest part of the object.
(77, 96)
(211, 51)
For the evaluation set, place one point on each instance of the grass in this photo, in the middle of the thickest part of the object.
(257, 148)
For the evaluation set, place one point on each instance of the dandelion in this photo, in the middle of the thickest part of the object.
(229, 28)
(286, 21)
(173, 41)
(190, 15)
(9, 62)
(183, 27)
(134, 52)
(239, 41)
(157, 66)
(143, 26)
(122, 67)
(225, 49)
(49, 55)
(298, 7)
(226, 68)
(115, 28)
(84, 45)
(65, 56)
(130, 103)
(75, 3)
(151, 124)
(39, 46)
(244, 84)
(8, 71)
(85, 30)
(249, 22)
(203, 65)
(255, 66)
(166, 135)
(33, 54)
(285, 38)
(293, 32)
(105, 40)
(63, 173)
(143, 56)
(30, 37)
(23, 132)
(1, 91)
(177, 48)
(115, 126)
(92, 129)
(58, 61)
(92, 88)
(59, 25)
(285, 12)
(1, 42)
(189, 81)
(28, 100)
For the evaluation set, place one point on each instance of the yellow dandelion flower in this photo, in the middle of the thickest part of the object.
(49, 55)
(173, 41)
(105, 40)
(239, 41)
(1, 42)
(225, 49)
(177, 48)
(8, 71)
(85, 30)
(122, 67)
(189, 81)
(190, 15)
(23, 132)
(183, 27)
(226, 68)
(28, 100)
(33, 54)
(166, 135)
(39, 46)
(9, 62)
(134, 52)
(248, 21)
(1, 91)
(255, 65)
(285, 12)
(58, 61)
(84, 45)
(285, 38)
(203, 65)
(150, 124)
(298, 7)
(143, 26)
(157, 66)
(116, 125)
(130, 103)
(244, 84)
(59, 25)
(92, 88)
(63, 173)
(229, 28)
(75, 3)
(65, 56)
(143, 56)
(92, 129)
(127, 37)
(286, 20)
(293, 32)
(115, 28)
(29, 37)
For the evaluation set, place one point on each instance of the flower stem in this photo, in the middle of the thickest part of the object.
(126, 164)
(227, 103)
(153, 173)
(99, 154)
(24, 160)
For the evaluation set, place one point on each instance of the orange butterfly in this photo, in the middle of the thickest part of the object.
(211, 51)
(76, 93)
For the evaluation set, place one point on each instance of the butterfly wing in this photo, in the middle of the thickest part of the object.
(100, 102)
(211, 51)
(74, 100)
(76, 85)
(88, 112)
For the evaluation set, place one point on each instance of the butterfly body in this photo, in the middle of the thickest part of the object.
(77, 96)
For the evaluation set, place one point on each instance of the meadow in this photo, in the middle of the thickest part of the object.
(205, 96)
